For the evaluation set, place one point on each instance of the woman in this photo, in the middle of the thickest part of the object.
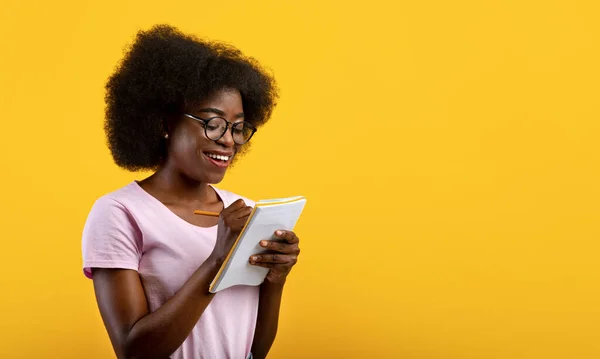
(185, 109)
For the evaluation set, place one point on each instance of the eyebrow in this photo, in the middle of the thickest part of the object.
(218, 112)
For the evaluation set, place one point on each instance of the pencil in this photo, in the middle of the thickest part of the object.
(207, 213)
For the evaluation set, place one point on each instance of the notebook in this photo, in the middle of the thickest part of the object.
(266, 217)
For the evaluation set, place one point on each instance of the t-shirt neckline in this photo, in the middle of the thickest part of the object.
(165, 208)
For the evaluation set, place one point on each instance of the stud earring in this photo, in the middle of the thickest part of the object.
(166, 135)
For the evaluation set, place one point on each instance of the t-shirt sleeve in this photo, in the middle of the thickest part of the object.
(111, 237)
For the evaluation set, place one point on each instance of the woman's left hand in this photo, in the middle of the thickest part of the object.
(282, 255)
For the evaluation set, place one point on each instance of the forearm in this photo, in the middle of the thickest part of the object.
(268, 318)
(159, 334)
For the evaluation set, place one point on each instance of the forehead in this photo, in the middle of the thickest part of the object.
(227, 100)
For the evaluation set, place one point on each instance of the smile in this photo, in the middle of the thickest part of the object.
(217, 159)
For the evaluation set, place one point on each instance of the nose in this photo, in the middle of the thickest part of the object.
(227, 138)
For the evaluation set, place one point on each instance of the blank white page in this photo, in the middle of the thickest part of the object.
(268, 217)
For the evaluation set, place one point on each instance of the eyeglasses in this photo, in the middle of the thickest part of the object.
(215, 128)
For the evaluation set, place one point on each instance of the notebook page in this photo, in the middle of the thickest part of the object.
(262, 225)
(278, 200)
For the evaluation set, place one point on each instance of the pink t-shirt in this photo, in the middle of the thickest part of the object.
(131, 229)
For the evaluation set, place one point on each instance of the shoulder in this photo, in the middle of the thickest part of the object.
(111, 220)
(122, 198)
(111, 237)
(229, 197)
(114, 206)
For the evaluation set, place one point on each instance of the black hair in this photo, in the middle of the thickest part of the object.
(162, 72)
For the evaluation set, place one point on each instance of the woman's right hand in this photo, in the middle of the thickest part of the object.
(231, 223)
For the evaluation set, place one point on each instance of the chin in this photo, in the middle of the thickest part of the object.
(212, 178)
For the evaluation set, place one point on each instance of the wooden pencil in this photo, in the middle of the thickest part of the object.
(207, 213)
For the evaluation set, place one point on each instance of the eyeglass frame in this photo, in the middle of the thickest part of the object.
(227, 126)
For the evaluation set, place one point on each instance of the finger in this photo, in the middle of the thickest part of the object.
(240, 213)
(281, 247)
(288, 236)
(278, 267)
(234, 206)
(236, 224)
(273, 258)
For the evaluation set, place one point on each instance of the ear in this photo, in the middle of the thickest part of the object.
(172, 116)
(169, 123)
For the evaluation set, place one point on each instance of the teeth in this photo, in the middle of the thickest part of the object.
(218, 157)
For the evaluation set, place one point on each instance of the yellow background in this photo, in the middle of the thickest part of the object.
(448, 149)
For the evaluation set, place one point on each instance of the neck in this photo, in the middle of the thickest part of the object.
(171, 186)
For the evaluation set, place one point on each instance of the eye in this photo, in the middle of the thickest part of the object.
(212, 127)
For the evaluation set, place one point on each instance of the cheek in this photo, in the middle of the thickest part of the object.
(185, 146)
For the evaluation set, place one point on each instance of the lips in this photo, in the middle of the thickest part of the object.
(219, 159)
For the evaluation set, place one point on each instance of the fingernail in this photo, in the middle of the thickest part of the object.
(263, 243)
(279, 233)
(254, 258)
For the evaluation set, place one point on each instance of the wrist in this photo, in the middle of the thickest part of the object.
(215, 260)
(211, 266)
(207, 272)
(273, 285)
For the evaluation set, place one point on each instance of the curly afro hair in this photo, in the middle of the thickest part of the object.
(163, 72)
